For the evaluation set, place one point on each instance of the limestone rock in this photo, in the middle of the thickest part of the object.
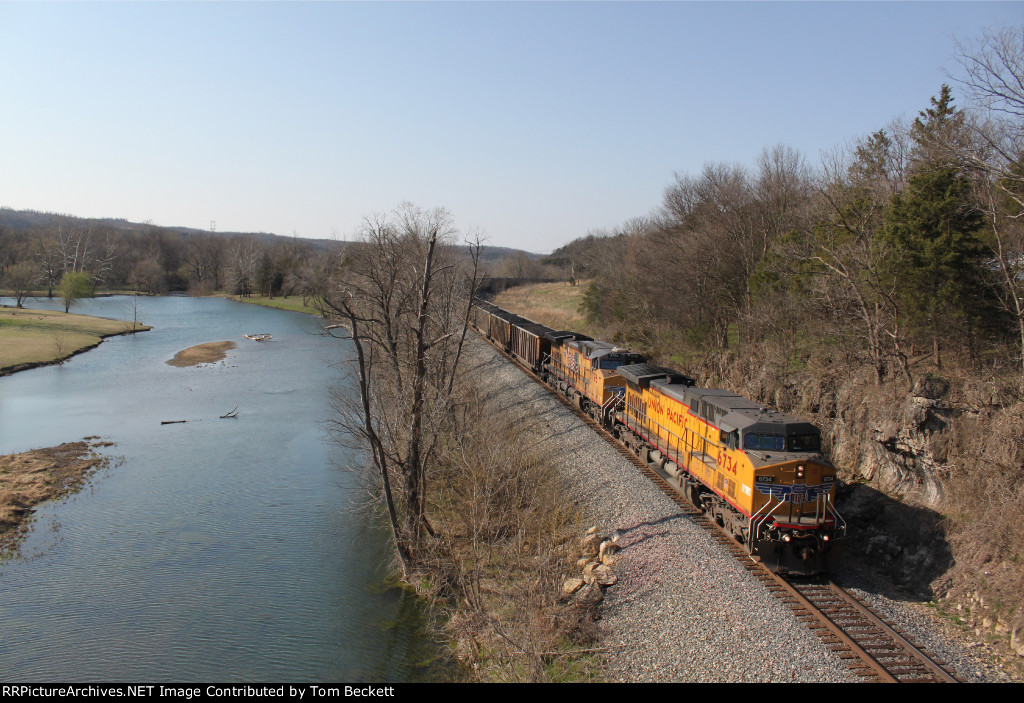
(590, 544)
(572, 585)
(607, 547)
(588, 595)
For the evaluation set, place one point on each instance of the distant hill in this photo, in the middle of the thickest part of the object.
(21, 220)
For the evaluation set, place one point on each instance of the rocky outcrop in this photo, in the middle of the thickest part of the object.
(931, 471)
(595, 564)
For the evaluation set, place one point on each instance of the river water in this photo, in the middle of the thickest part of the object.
(213, 550)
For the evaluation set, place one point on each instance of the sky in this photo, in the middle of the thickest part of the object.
(533, 123)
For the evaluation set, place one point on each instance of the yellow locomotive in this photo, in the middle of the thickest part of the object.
(758, 472)
(586, 371)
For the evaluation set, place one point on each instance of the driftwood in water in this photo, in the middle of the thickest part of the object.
(233, 413)
(258, 337)
(171, 422)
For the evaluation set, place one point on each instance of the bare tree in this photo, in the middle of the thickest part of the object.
(243, 258)
(850, 280)
(21, 279)
(993, 78)
(405, 298)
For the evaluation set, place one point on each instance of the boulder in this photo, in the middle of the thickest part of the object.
(572, 585)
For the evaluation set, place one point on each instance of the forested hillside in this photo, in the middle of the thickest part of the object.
(37, 250)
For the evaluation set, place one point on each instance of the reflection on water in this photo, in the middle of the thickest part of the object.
(218, 549)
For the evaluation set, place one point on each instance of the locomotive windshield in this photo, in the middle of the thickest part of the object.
(764, 442)
(804, 443)
(776, 443)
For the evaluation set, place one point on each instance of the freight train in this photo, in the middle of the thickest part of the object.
(759, 473)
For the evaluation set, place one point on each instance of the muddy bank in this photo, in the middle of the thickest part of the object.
(207, 353)
(36, 476)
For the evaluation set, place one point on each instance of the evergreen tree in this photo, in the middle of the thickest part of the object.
(933, 226)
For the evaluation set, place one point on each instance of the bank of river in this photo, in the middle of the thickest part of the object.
(216, 549)
(32, 337)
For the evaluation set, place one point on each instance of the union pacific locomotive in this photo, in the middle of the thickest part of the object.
(758, 472)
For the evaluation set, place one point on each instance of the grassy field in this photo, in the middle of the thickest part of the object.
(556, 305)
(36, 337)
(293, 303)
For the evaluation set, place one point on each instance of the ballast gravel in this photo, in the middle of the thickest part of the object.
(682, 610)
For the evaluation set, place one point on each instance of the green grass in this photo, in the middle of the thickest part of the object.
(293, 303)
(44, 336)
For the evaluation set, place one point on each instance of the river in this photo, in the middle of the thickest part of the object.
(212, 550)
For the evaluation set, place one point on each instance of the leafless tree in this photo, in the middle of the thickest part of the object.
(849, 259)
(404, 295)
(243, 256)
(48, 256)
(21, 279)
(993, 78)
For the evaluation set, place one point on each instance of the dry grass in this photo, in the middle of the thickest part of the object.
(556, 305)
(509, 537)
(34, 337)
(33, 477)
(206, 353)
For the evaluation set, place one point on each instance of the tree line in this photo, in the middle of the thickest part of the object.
(39, 251)
(909, 240)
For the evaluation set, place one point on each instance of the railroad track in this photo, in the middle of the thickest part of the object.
(870, 646)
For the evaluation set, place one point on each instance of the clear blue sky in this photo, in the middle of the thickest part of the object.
(534, 122)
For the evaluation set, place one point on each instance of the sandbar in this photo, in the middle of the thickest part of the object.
(201, 354)
(33, 477)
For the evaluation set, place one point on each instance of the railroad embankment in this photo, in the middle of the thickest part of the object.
(33, 338)
(930, 470)
(682, 609)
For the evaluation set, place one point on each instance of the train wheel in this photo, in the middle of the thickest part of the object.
(694, 495)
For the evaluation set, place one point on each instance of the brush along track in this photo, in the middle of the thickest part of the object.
(869, 646)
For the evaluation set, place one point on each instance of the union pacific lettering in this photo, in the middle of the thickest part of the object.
(673, 412)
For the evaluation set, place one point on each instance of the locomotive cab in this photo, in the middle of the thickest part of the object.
(794, 526)
(586, 371)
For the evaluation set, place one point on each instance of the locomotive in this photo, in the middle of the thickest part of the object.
(759, 473)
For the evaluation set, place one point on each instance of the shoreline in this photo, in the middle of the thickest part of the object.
(25, 366)
(91, 330)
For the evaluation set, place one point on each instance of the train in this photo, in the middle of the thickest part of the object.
(758, 472)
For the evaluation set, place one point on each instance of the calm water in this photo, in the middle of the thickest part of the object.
(218, 549)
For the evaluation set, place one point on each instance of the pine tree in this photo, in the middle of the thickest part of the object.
(933, 226)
